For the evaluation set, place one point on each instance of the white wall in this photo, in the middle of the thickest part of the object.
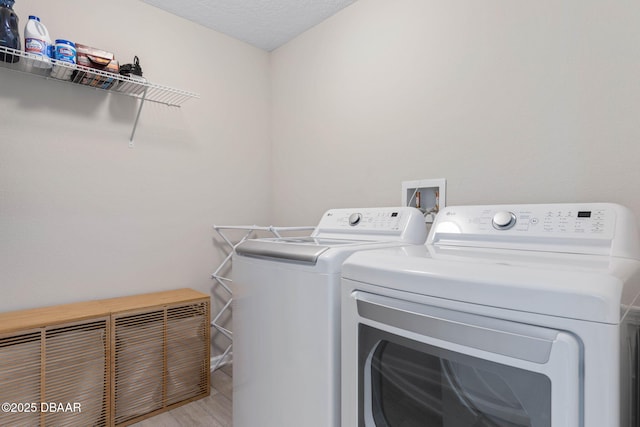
(82, 216)
(510, 101)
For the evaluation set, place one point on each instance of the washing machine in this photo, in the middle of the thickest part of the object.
(286, 315)
(508, 316)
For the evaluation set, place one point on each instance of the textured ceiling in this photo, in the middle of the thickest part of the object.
(266, 24)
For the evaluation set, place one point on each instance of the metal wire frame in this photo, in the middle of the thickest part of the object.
(249, 231)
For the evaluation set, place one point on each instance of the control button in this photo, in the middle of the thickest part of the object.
(504, 220)
(534, 221)
(354, 219)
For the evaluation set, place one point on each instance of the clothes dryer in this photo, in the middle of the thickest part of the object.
(509, 316)
(286, 315)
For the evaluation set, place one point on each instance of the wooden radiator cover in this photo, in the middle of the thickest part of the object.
(20, 372)
(121, 359)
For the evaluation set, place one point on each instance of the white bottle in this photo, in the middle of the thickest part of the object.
(37, 42)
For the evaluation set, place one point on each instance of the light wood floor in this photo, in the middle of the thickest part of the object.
(212, 411)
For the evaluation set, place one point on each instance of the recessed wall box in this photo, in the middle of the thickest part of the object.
(428, 195)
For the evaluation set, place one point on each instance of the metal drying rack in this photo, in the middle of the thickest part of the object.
(248, 232)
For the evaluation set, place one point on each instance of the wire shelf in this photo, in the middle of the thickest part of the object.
(50, 69)
(36, 65)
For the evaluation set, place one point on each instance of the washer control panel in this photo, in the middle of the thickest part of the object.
(363, 219)
(398, 224)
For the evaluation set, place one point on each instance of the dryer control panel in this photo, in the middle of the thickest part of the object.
(595, 228)
(550, 221)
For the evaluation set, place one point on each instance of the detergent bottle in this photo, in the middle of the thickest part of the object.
(37, 42)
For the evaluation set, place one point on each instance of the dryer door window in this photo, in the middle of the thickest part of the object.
(421, 365)
(421, 385)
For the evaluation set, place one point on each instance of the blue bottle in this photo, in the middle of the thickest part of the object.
(9, 33)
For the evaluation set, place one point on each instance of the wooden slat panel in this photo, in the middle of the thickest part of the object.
(187, 352)
(20, 365)
(76, 373)
(14, 321)
(139, 354)
(151, 354)
(152, 300)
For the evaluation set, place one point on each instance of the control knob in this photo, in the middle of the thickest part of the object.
(354, 219)
(504, 220)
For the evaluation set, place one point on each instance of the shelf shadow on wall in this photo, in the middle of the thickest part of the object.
(46, 94)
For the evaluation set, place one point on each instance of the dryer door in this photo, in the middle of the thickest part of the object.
(424, 365)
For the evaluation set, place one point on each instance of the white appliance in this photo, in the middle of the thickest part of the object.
(286, 315)
(509, 316)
